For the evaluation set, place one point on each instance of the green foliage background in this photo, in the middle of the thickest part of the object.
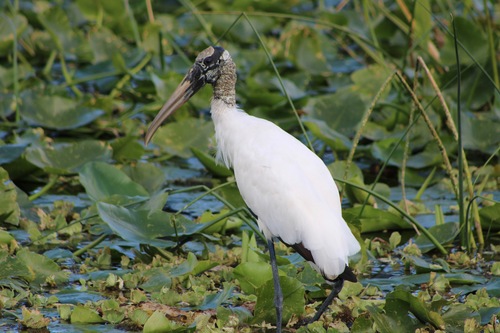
(100, 232)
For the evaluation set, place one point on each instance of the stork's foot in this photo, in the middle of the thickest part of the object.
(337, 287)
(303, 322)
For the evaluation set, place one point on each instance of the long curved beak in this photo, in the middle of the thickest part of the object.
(192, 82)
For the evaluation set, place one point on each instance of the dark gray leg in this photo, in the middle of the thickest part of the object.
(278, 294)
(337, 287)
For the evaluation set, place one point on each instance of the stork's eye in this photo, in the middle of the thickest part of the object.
(207, 61)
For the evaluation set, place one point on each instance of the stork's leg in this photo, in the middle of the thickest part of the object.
(337, 287)
(278, 294)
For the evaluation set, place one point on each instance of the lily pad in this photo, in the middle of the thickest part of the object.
(11, 26)
(84, 315)
(177, 138)
(293, 300)
(373, 219)
(9, 153)
(101, 181)
(68, 157)
(209, 162)
(9, 209)
(444, 234)
(143, 226)
(41, 268)
(136, 226)
(334, 139)
(418, 307)
(341, 111)
(56, 112)
(490, 217)
(252, 275)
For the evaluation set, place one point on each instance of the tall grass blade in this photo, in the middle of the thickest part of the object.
(464, 226)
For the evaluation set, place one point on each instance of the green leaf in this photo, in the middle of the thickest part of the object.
(111, 311)
(490, 217)
(9, 209)
(423, 266)
(9, 153)
(138, 226)
(252, 275)
(293, 300)
(158, 323)
(382, 150)
(473, 39)
(444, 234)
(56, 112)
(423, 23)
(418, 307)
(127, 148)
(33, 319)
(101, 181)
(144, 226)
(13, 267)
(492, 286)
(334, 139)
(373, 219)
(341, 111)
(210, 164)
(177, 138)
(67, 158)
(11, 26)
(224, 314)
(456, 315)
(41, 268)
(366, 84)
(56, 22)
(213, 301)
(394, 239)
(146, 174)
(83, 315)
(481, 133)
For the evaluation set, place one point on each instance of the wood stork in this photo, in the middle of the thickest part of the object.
(286, 185)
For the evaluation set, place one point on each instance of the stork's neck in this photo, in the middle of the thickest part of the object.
(224, 87)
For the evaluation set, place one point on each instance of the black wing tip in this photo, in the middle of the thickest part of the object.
(348, 275)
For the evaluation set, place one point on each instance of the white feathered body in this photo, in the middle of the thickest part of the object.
(286, 185)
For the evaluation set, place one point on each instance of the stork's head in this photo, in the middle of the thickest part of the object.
(206, 69)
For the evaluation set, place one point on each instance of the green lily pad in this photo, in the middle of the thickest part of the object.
(382, 150)
(146, 174)
(158, 323)
(490, 217)
(210, 164)
(373, 219)
(84, 315)
(213, 301)
(127, 148)
(293, 300)
(341, 111)
(334, 139)
(11, 26)
(138, 226)
(41, 268)
(68, 157)
(456, 315)
(444, 234)
(418, 307)
(9, 209)
(102, 181)
(144, 226)
(177, 138)
(252, 275)
(9, 153)
(56, 112)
